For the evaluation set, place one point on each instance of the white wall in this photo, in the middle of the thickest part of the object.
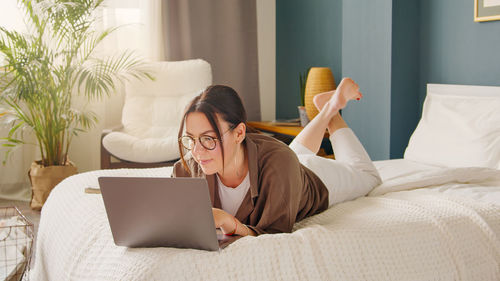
(11, 18)
(14, 182)
(266, 43)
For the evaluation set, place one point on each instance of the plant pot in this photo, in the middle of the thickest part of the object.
(44, 179)
(303, 116)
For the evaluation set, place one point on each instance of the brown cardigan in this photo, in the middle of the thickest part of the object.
(282, 191)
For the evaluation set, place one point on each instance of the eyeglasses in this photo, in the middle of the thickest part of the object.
(208, 142)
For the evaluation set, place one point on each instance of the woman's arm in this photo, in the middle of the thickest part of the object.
(229, 224)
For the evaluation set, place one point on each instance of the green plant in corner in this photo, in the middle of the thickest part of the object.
(46, 67)
(302, 85)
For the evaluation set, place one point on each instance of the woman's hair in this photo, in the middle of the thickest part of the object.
(215, 99)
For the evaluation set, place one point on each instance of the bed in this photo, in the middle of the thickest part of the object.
(435, 216)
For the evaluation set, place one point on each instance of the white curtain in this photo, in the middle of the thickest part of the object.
(141, 31)
(140, 27)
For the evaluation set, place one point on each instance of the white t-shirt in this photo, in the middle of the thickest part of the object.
(231, 198)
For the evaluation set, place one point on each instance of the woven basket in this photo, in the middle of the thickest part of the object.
(44, 178)
(319, 80)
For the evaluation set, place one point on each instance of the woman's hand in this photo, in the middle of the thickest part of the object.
(223, 220)
(229, 224)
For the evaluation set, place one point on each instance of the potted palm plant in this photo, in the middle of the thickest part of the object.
(43, 70)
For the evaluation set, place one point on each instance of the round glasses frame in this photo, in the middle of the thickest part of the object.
(206, 141)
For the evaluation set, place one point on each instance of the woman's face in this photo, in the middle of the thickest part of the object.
(210, 161)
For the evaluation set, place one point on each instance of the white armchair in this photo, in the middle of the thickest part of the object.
(151, 116)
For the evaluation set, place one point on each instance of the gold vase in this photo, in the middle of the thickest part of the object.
(319, 80)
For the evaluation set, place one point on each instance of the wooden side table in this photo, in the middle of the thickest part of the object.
(287, 133)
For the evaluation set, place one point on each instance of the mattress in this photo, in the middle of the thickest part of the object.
(422, 223)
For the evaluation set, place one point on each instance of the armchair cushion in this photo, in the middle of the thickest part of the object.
(153, 109)
(142, 150)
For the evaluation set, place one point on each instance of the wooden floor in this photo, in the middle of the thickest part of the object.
(32, 215)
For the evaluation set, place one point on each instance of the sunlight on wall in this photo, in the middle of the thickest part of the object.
(11, 18)
(10, 15)
(14, 184)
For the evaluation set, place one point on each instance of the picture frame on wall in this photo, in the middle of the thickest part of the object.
(486, 10)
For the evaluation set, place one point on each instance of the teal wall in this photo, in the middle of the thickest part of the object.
(454, 49)
(405, 61)
(308, 33)
(392, 49)
(366, 57)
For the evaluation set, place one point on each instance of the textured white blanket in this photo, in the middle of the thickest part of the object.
(420, 234)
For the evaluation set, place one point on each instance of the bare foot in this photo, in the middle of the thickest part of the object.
(321, 99)
(337, 99)
(346, 91)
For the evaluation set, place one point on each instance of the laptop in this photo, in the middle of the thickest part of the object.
(161, 212)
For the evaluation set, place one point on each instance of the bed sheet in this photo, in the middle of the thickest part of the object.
(392, 171)
(422, 223)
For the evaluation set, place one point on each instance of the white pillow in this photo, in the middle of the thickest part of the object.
(460, 127)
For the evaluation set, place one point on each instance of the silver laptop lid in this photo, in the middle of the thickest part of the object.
(159, 212)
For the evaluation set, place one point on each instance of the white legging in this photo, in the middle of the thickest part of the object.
(352, 173)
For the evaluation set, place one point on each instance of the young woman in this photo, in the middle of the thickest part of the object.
(260, 185)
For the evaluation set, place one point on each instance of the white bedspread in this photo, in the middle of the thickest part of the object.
(432, 233)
